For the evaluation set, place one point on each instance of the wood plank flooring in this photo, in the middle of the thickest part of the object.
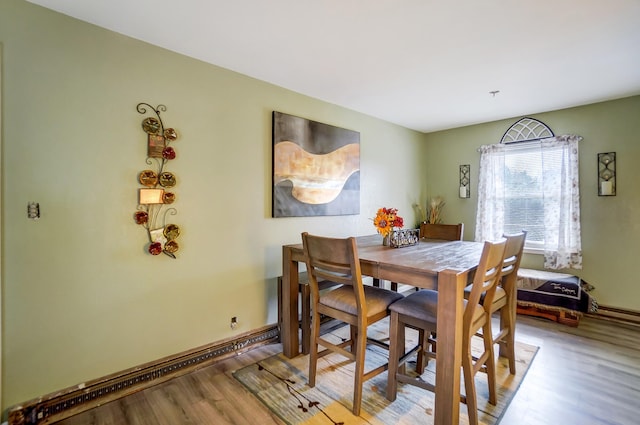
(589, 375)
(584, 375)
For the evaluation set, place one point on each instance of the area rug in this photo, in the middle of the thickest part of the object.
(281, 384)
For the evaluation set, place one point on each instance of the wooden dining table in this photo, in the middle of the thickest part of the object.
(446, 266)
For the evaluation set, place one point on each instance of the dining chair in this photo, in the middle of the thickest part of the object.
(505, 298)
(447, 232)
(419, 311)
(354, 303)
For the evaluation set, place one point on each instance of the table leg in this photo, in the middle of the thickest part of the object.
(289, 331)
(449, 353)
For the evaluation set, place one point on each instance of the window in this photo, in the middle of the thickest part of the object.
(533, 186)
(523, 190)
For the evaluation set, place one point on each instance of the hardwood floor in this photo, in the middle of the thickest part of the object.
(584, 375)
(588, 375)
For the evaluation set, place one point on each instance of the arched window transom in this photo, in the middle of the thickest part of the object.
(526, 130)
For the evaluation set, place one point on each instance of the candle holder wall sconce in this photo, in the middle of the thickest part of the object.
(157, 193)
(33, 210)
(607, 174)
(465, 181)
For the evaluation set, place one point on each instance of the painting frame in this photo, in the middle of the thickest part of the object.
(316, 168)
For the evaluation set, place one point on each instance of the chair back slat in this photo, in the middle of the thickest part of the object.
(513, 255)
(334, 259)
(486, 278)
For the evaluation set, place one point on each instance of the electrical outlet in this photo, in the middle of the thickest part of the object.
(234, 322)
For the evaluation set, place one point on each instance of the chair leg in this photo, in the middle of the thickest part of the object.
(433, 341)
(490, 363)
(507, 347)
(313, 355)
(421, 361)
(427, 339)
(353, 334)
(361, 346)
(510, 347)
(469, 385)
(306, 318)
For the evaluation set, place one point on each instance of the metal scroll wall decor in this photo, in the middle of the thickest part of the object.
(157, 193)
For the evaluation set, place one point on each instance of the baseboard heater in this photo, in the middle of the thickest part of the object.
(621, 315)
(73, 400)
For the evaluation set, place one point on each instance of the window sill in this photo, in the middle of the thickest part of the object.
(538, 251)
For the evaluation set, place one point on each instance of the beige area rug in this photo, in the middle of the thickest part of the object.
(281, 384)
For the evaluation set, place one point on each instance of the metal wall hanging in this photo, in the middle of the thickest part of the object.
(157, 194)
(607, 174)
(465, 181)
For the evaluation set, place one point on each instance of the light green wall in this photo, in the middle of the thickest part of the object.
(610, 225)
(1, 209)
(81, 297)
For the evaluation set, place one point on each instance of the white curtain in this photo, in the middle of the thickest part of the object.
(561, 196)
(490, 212)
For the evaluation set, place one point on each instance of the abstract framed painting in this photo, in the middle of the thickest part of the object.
(316, 168)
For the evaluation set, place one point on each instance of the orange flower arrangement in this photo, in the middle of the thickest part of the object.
(386, 220)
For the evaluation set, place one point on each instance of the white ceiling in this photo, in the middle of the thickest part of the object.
(423, 64)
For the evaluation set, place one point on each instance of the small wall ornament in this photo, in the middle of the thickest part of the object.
(465, 181)
(607, 174)
(157, 193)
